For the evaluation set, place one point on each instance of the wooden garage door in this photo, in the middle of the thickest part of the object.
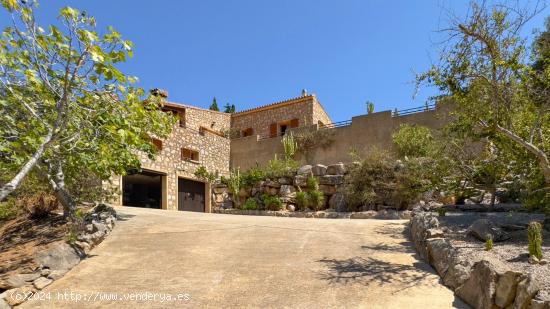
(191, 195)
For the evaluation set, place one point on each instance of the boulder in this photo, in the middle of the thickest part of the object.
(290, 207)
(220, 189)
(300, 180)
(363, 215)
(18, 280)
(42, 282)
(331, 180)
(479, 290)
(483, 227)
(285, 181)
(319, 170)
(304, 170)
(338, 202)
(17, 296)
(4, 304)
(327, 190)
(440, 254)
(59, 257)
(287, 191)
(387, 214)
(336, 169)
(506, 288)
(527, 288)
(458, 272)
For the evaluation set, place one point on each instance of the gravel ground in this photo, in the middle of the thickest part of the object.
(512, 253)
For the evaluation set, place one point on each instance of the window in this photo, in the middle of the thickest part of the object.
(283, 129)
(157, 143)
(189, 155)
(248, 132)
(181, 117)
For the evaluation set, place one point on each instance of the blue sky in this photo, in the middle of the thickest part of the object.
(250, 52)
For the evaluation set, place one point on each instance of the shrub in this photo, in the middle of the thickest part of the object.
(534, 233)
(312, 184)
(203, 174)
(413, 140)
(252, 176)
(234, 185)
(7, 210)
(316, 199)
(489, 242)
(272, 202)
(302, 200)
(250, 204)
(39, 205)
(277, 168)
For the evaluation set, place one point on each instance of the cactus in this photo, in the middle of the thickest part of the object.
(234, 184)
(534, 232)
(290, 145)
(489, 242)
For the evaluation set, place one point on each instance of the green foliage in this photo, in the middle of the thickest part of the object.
(534, 233)
(251, 204)
(7, 210)
(272, 202)
(234, 184)
(414, 141)
(214, 105)
(310, 140)
(302, 200)
(441, 211)
(316, 199)
(290, 146)
(252, 176)
(229, 108)
(382, 180)
(277, 168)
(489, 242)
(203, 174)
(312, 183)
(370, 107)
(68, 105)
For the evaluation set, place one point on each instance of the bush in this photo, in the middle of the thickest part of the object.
(413, 140)
(302, 200)
(252, 176)
(382, 180)
(272, 202)
(441, 211)
(312, 184)
(203, 174)
(8, 210)
(281, 168)
(316, 199)
(39, 206)
(250, 204)
(534, 233)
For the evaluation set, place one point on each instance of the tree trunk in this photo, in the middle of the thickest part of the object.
(544, 162)
(13, 184)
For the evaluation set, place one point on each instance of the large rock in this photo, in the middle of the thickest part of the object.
(338, 202)
(287, 191)
(42, 282)
(300, 180)
(479, 290)
(419, 225)
(483, 227)
(458, 272)
(17, 296)
(327, 190)
(332, 180)
(440, 254)
(506, 288)
(336, 169)
(527, 288)
(18, 280)
(59, 257)
(319, 170)
(304, 170)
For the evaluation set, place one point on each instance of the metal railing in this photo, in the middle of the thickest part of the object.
(414, 110)
(335, 124)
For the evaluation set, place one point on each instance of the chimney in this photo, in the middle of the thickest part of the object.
(159, 93)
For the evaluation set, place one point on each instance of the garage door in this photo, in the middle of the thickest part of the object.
(191, 195)
(142, 189)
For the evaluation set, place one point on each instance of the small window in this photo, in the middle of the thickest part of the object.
(248, 132)
(283, 129)
(189, 155)
(157, 143)
(181, 117)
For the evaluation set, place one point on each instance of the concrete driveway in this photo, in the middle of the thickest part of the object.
(167, 259)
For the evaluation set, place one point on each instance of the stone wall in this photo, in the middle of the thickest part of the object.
(306, 109)
(481, 284)
(365, 133)
(213, 149)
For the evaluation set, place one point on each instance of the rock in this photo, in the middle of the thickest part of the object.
(244, 193)
(4, 304)
(434, 233)
(56, 274)
(84, 246)
(272, 184)
(220, 189)
(99, 227)
(433, 205)
(42, 282)
(387, 214)
(533, 260)
(331, 180)
(338, 202)
(17, 296)
(18, 280)
(527, 288)
(89, 228)
(535, 304)
(59, 257)
(336, 169)
(506, 288)
(300, 180)
(285, 181)
(363, 215)
(45, 272)
(440, 254)
(419, 224)
(486, 200)
(287, 191)
(406, 214)
(290, 207)
(458, 272)
(304, 170)
(327, 190)
(483, 227)
(478, 291)
(543, 261)
(319, 170)
(272, 191)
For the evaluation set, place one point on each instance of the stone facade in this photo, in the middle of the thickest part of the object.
(200, 134)
(298, 112)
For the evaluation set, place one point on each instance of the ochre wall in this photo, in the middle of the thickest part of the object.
(365, 132)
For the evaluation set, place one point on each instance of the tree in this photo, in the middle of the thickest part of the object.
(485, 69)
(66, 107)
(214, 105)
(229, 108)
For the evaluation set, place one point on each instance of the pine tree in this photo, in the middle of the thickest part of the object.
(214, 105)
(229, 108)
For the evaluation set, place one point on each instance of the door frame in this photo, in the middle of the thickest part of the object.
(207, 193)
(164, 187)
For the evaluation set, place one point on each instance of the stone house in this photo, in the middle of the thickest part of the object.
(220, 141)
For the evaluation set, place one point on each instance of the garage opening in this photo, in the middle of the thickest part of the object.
(191, 195)
(142, 189)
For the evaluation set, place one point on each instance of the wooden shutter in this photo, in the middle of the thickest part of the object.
(273, 130)
(294, 123)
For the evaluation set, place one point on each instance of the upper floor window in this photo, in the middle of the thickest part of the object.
(181, 118)
(248, 132)
(157, 143)
(189, 154)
